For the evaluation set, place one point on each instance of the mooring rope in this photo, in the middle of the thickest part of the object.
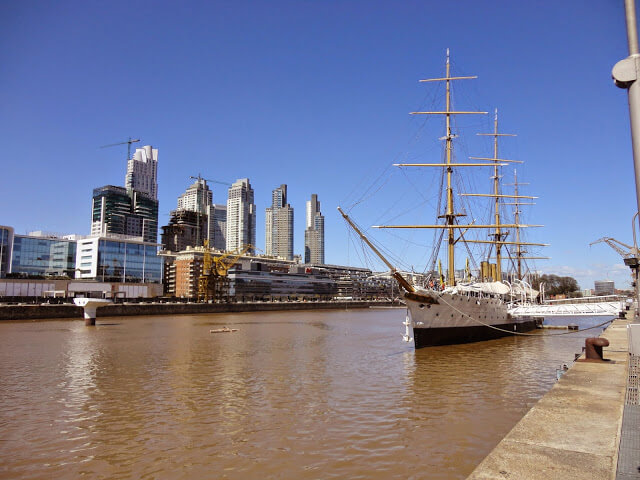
(522, 333)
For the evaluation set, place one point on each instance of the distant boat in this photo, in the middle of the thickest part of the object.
(450, 310)
(223, 330)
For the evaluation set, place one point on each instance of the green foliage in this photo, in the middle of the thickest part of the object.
(556, 285)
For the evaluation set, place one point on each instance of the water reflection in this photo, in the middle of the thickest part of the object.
(289, 395)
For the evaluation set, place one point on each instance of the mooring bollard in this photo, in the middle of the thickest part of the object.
(593, 348)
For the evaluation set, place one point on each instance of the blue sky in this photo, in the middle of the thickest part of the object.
(316, 95)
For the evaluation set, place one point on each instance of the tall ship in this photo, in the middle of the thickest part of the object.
(449, 310)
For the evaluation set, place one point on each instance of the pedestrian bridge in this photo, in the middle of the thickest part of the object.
(578, 309)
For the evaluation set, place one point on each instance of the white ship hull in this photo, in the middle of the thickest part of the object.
(444, 318)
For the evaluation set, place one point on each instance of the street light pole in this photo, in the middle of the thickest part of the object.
(625, 75)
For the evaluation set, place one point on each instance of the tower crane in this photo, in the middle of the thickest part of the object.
(631, 257)
(211, 181)
(199, 206)
(128, 142)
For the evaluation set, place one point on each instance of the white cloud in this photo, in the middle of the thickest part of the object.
(587, 275)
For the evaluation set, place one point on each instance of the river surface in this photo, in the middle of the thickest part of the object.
(290, 395)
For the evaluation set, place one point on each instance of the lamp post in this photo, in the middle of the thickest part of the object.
(625, 74)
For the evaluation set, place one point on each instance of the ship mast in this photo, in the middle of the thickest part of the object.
(450, 215)
(450, 223)
(498, 235)
(516, 218)
(516, 214)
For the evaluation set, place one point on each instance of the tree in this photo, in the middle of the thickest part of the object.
(556, 285)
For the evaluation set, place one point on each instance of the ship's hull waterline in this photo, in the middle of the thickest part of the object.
(440, 318)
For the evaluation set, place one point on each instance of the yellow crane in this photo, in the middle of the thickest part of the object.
(213, 282)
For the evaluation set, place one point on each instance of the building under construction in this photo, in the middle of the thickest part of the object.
(194, 273)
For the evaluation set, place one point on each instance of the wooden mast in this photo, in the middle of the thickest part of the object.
(516, 218)
(450, 215)
(498, 235)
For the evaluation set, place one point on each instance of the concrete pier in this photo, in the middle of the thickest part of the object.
(574, 431)
(90, 306)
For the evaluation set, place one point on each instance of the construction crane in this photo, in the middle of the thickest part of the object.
(213, 282)
(199, 178)
(625, 251)
(631, 258)
(200, 208)
(128, 142)
(225, 262)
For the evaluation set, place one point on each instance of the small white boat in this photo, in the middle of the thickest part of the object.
(223, 330)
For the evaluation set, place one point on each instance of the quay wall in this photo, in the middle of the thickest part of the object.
(574, 431)
(35, 312)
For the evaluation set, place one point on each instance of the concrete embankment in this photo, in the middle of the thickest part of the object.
(574, 431)
(35, 312)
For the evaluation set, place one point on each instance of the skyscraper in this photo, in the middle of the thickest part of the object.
(241, 215)
(118, 211)
(131, 210)
(279, 225)
(217, 226)
(195, 220)
(314, 233)
(142, 171)
(197, 197)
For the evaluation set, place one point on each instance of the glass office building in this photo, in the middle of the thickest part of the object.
(6, 245)
(43, 256)
(118, 260)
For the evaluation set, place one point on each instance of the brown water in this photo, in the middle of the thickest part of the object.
(297, 395)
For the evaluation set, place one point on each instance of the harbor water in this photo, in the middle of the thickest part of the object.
(290, 395)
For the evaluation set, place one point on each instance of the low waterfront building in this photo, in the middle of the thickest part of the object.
(41, 254)
(55, 290)
(183, 269)
(269, 286)
(6, 247)
(118, 259)
(258, 277)
(604, 287)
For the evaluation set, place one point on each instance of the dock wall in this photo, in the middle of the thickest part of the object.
(574, 431)
(35, 312)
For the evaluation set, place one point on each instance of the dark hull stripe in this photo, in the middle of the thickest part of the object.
(431, 337)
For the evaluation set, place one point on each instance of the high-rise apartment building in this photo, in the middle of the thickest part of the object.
(217, 226)
(115, 210)
(279, 225)
(142, 171)
(195, 220)
(197, 197)
(241, 216)
(314, 233)
(132, 210)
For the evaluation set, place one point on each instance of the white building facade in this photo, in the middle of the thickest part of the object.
(279, 225)
(197, 197)
(142, 171)
(241, 216)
